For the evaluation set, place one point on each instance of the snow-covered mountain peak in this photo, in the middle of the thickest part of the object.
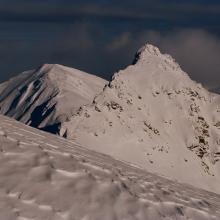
(57, 72)
(152, 70)
(49, 95)
(45, 68)
(149, 55)
(150, 113)
(144, 52)
(154, 115)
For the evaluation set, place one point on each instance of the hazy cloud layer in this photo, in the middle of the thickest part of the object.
(197, 51)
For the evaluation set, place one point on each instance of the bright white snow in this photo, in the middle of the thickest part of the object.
(47, 96)
(152, 114)
(40, 182)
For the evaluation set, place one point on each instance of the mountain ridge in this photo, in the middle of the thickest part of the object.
(152, 114)
(47, 96)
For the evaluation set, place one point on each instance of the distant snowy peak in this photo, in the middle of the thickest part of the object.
(152, 70)
(148, 52)
(47, 96)
(143, 53)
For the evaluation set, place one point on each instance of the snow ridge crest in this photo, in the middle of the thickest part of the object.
(145, 51)
(148, 51)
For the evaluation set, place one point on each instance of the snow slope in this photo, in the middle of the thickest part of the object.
(152, 114)
(48, 96)
(45, 177)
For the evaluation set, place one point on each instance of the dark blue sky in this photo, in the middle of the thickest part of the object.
(102, 36)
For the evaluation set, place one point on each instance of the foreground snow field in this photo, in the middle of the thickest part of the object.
(46, 177)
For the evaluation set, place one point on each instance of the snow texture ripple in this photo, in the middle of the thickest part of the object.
(45, 177)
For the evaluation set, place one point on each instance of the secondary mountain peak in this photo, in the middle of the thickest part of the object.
(48, 96)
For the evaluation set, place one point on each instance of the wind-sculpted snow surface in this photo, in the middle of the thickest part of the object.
(152, 114)
(46, 97)
(44, 177)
